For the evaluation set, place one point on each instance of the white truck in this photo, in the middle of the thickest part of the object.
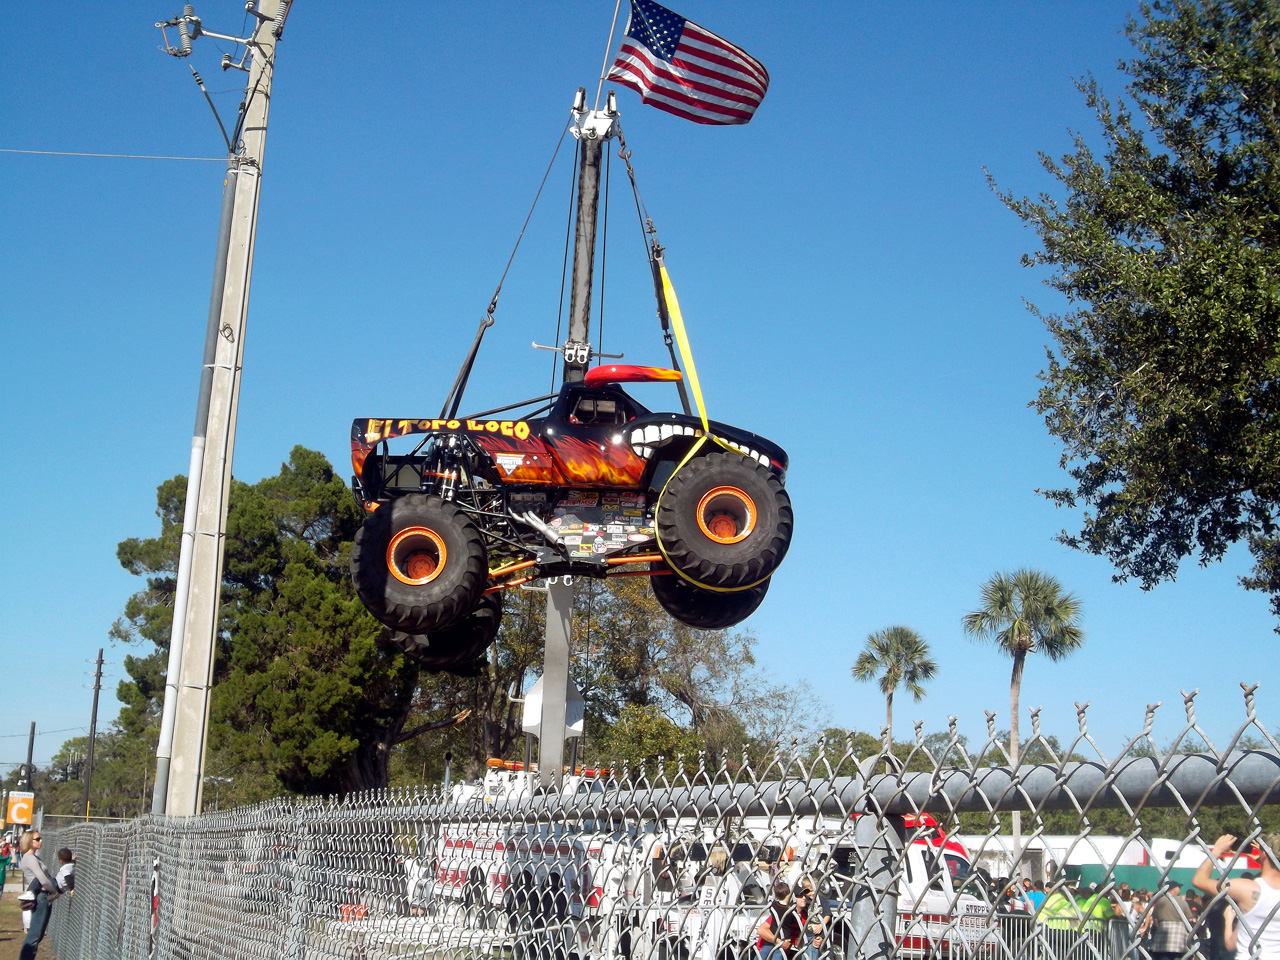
(515, 877)
(675, 889)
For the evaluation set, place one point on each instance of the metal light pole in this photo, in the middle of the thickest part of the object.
(184, 721)
(555, 681)
(592, 128)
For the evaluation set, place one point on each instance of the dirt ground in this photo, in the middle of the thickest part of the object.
(11, 932)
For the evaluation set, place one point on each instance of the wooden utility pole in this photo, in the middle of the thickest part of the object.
(93, 735)
(31, 750)
(184, 722)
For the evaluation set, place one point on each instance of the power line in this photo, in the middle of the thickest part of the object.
(39, 733)
(113, 156)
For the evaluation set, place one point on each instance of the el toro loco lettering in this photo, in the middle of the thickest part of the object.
(384, 429)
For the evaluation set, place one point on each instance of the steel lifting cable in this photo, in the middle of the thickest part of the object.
(642, 212)
(454, 399)
(680, 341)
(653, 250)
(493, 304)
(691, 372)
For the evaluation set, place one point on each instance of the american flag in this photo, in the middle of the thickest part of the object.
(677, 66)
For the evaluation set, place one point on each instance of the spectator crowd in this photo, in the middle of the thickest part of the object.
(1214, 919)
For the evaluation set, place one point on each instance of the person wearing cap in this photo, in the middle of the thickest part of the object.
(815, 917)
(1257, 934)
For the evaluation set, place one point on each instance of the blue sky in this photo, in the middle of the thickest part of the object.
(851, 284)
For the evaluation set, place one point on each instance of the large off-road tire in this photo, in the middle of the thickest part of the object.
(724, 521)
(704, 609)
(457, 647)
(418, 564)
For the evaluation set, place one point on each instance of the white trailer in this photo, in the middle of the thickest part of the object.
(1045, 854)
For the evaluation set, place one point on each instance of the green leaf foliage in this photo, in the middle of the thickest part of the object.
(1021, 613)
(1164, 384)
(895, 657)
(643, 735)
(306, 698)
(307, 688)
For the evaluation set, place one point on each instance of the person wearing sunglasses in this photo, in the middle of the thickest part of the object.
(815, 917)
(36, 879)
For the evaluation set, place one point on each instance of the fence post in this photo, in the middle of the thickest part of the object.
(875, 902)
(295, 945)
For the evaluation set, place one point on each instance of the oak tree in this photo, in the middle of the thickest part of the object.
(1164, 384)
(306, 698)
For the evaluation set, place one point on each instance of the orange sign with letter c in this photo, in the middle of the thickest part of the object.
(20, 807)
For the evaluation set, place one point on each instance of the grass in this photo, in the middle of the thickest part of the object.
(11, 934)
(10, 927)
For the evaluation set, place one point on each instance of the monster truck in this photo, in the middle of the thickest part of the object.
(588, 484)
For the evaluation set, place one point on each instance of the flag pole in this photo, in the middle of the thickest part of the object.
(604, 69)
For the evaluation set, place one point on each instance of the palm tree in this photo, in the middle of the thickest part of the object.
(899, 657)
(1021, 613)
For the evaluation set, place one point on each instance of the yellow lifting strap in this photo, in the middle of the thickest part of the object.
(691, 375)
(682, 341)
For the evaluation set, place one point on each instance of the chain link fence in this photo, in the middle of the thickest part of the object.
(909, 853)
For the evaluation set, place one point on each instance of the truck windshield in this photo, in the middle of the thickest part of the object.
(958, 867)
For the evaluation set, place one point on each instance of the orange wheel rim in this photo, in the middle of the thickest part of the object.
(727, 514)
(416, 555)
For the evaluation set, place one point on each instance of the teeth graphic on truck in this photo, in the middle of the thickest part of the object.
(643, 438)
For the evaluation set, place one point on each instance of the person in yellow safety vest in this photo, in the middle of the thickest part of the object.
(1059, 910)
(1058, 921)
(1097, 910)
